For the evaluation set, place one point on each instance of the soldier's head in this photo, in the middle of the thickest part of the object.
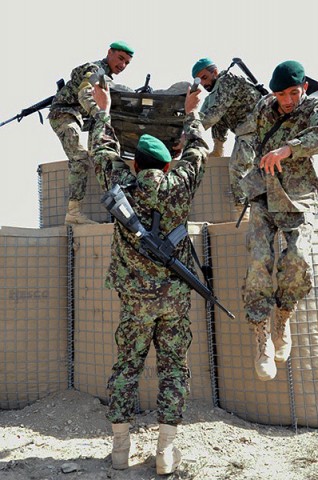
(207, 71)
(288, 84)
(119, 56)
(151, 153)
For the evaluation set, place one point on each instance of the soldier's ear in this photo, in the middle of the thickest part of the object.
(305, 86)
(137, 169)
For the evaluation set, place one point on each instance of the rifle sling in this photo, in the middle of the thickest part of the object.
(272, 130)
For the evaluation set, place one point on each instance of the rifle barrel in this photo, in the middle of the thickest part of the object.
(196, 284)
(8, 121)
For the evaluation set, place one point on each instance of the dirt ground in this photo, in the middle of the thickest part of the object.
(67, 436)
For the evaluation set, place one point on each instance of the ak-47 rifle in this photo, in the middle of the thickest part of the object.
(145, 88)
(35, 108)
(152, 246)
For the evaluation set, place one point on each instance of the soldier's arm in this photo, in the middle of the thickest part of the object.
(304, 145)
(80, 77)
(218, 102)
(306, 142)
(191, 165)
(105, 145)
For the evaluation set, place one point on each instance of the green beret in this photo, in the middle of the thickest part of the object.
(200, 65)
(154, 147)
(120, 45)
(287, 74)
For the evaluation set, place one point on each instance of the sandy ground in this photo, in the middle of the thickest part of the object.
(67, 436)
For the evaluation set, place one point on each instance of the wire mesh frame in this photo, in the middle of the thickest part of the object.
(210, 319)
(291, 391)
(70, 307)
(40, 195)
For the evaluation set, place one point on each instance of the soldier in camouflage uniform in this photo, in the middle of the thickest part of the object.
(155, 303)
(74, 104)
(282, 188)
(231, 100)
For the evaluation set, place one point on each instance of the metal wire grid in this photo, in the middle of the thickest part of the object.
(33, 309)
(290, 399)
(53, 193)
(212, 203)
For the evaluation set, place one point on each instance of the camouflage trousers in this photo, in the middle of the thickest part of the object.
(166, 323)
(240, 164)
(294, 273)
(69, 131)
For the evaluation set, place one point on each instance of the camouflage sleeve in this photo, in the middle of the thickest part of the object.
(195, 152)
(80, 78)
(106, 151)
(306, 142)
(218, 102)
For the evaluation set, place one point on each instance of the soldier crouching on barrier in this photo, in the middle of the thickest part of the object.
(74, 104)
(155, 303)
(282, 190)
(230, 101)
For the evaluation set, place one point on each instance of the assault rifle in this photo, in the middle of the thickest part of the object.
(239, 62)
(152, 246)
(35, 108)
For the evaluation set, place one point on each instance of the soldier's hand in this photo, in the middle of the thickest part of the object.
(102, 97)
(192, 101)
(272, 159)
(177, 147)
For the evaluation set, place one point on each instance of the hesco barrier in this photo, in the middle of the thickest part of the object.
(58, 320)
(292, 397)
(212, 203)
(33, 314)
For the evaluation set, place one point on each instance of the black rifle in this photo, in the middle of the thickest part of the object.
(35, 108)
(145, 88)
(239, 62)
(152, 246)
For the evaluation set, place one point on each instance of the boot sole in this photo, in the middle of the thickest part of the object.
(167, 471)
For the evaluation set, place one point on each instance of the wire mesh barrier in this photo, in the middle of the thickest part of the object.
(289, 399)
(33, 309)
(213, 202)
(58, 320)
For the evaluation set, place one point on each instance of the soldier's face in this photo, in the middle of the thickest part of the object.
(289, 99)
(117, 60)
(208, 78)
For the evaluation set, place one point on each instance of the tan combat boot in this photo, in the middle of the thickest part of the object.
(121, 446)
(282, 336)
(264, 360)
(168, 457)
(74, 216)
(218, 148)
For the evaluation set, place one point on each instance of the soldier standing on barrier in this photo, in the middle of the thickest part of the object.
(231, 100)
(155, 302)
(282, 190)
(72, 105)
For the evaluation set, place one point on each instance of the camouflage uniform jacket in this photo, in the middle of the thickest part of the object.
(169, 193)
(229, 104)
(67, 99)
(295, 188)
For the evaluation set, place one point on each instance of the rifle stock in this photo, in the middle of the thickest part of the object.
(152, 246)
